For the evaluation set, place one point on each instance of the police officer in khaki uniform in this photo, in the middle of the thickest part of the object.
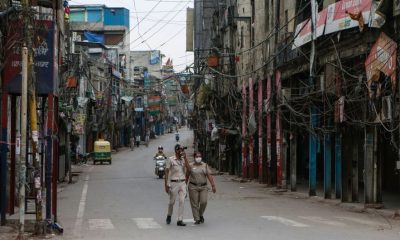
(175, 182)
(197, 173)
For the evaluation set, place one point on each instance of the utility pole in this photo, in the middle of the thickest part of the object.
(313, 117)
(22, 155)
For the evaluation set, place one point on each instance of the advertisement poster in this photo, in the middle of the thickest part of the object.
(154, 57)
(44, 58)
(303, 30)
(338, 17)
(382, 58)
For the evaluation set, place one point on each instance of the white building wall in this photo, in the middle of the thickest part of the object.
(142, 59)
(243, 41)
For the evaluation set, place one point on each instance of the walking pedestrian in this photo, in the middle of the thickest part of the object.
(197, 174)
(137, 140)
(147, 137)
(132, 143)
(175, 182)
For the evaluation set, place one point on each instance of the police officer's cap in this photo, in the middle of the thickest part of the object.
(177, 147)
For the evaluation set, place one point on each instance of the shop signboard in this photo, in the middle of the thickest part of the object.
(338, 16)
(303, 30)
(382, 58)
(45, 64)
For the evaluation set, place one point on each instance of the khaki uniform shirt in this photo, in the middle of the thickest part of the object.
(198, 174)
(176, 169)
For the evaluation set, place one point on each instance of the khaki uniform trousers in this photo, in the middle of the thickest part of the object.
(198, 196)
(177, 189)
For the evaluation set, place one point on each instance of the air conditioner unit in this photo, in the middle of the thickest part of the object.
(386, 111)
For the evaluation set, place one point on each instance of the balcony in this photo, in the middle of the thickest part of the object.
(84, 26)
(285, 51)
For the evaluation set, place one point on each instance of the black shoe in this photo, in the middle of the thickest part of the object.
(168, 219)
(197, 222)
(181, 223)
(201, 219)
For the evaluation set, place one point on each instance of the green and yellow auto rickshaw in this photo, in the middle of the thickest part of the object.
(102, 151)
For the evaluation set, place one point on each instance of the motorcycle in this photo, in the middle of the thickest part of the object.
(177, 137)
(160, 166)
(80, 158)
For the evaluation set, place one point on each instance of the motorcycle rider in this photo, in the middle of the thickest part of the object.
(177, 136)
(160, 152)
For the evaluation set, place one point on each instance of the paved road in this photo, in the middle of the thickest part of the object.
(127, 201)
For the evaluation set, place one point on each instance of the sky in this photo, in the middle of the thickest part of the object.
(155, 25)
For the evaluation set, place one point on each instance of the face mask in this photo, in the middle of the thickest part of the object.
(197, 160)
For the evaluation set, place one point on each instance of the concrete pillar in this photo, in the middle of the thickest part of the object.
(327, 166)
(260, 133)
(251, 136)
(313, 139)
(269, 131)
(3, 158)
(354, 171)
(280, 160)
(338, 164)
(244, 132)
(372, 188)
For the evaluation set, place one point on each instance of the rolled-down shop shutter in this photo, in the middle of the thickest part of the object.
(113, 39)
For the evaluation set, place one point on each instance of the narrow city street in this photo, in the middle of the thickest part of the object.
(126, 200)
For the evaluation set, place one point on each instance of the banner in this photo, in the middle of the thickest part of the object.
(382, 58)
(303, 33)
(154, 57)
(153, 100)
(338, 17)
(172, 100)
(154, 106)
(44, 58)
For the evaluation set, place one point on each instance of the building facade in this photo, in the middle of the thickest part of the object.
(315, 90)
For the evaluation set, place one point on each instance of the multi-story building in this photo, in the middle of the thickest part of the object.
(109, 26)
(100, 36)
(147, 85)
(34, 29)
(316, 103)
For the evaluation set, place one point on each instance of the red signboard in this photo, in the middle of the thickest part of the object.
(338, 17)
(303, 30)
(382, 58)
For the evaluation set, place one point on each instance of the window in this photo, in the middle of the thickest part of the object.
(266, 6)
(77, 15)
(286, 21)
(113, 39)
(241, 37)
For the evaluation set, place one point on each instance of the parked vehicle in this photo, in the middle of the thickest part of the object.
(79, 158)
(102, 151)
(160, 166)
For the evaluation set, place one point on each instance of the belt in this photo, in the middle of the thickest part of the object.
(177, 180)
(199, 184)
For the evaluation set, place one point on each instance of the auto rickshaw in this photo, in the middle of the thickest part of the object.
(102, 151)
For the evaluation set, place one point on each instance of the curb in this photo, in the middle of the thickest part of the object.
(393, 214)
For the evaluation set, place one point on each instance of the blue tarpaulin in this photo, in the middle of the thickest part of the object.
(94, 37)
